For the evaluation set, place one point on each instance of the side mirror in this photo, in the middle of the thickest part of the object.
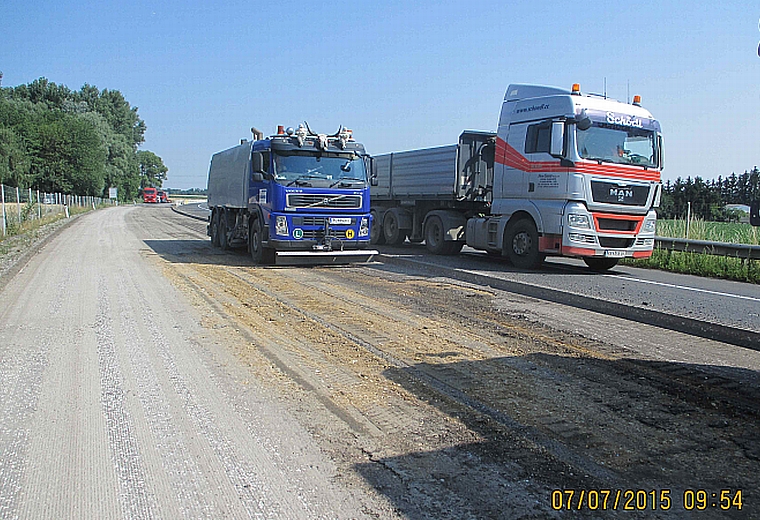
(372, 172)
(257, 159)
(660, 154)
(558, 139)
(257, 176)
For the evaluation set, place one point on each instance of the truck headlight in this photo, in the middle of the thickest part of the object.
(650, 225)
(364, 227)
(578, 221)
(281, 225)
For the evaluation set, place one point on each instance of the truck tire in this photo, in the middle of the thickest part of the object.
(376, 235)
(260, 254)
(214, 229)
(222, 231)
(521, 244)
(392, 233)
(435, 238)
(255, 238)
(601, 264)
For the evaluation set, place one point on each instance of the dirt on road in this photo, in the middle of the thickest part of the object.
(446, 400)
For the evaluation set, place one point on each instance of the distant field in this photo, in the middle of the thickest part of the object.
(712, 231)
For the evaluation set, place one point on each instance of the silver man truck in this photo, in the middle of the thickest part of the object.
(565, 174)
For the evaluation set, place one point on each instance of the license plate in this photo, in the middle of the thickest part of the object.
(340, 221)
(614, 254)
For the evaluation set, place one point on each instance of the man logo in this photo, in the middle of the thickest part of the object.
(621, 193)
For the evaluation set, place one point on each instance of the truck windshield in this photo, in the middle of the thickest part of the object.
(324, 170)
(617, 144)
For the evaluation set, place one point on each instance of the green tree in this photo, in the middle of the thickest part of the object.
(14, 160)
(56, 139)
(68, 156)
(152, 169)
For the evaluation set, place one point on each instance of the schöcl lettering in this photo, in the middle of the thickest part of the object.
(615, 119)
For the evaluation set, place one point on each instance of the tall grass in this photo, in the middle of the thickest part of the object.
(731, 233)
(739, 269)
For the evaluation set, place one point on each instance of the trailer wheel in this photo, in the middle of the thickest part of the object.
(224, 242)
(521, 244)
(435, 240)
(601, 264)
(376, 235)
(392, 233)
(214, 229)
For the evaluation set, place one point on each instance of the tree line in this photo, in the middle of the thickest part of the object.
(709, 198)
(83, 142)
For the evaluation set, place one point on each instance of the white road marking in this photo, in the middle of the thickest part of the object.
(673, 286)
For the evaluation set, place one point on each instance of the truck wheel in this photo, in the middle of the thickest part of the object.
(255, 237)
(259, 254)
(214, 229)
(376, 235)
(521, 244)
(222, 231)
(435, 240)
(601, 264)
(392, 233)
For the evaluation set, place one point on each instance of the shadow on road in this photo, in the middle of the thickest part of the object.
(197, 252)
(572, 423)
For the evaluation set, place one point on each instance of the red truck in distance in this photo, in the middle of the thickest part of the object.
(150, 195)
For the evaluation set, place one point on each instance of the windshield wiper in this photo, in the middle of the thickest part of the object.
(302, 177)
(348, 181)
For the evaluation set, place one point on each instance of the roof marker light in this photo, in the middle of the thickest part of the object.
(637, 100)
(577, 89)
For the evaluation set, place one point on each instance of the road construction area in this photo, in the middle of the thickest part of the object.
(147, 374)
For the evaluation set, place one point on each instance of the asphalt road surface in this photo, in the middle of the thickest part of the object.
(146, 374)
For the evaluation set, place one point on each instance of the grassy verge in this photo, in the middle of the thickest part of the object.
(698, 264)
(29, 223)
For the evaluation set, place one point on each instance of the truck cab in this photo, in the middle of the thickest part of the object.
(150, 195)
(295, 197)
(575, 175)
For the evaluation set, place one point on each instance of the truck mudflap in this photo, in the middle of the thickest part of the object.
(324, 257)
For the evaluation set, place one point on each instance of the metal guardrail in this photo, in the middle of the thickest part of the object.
(745, 251)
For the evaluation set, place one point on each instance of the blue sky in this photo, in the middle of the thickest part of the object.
(402, 75)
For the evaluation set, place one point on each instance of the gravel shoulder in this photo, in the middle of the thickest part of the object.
(117, 402)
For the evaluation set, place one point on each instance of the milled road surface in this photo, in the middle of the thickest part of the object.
(146, 374)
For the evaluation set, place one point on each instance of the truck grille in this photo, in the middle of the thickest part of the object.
(315, 234)
(615, 243)
(614, 224)
(619, 193)
(301, 200)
